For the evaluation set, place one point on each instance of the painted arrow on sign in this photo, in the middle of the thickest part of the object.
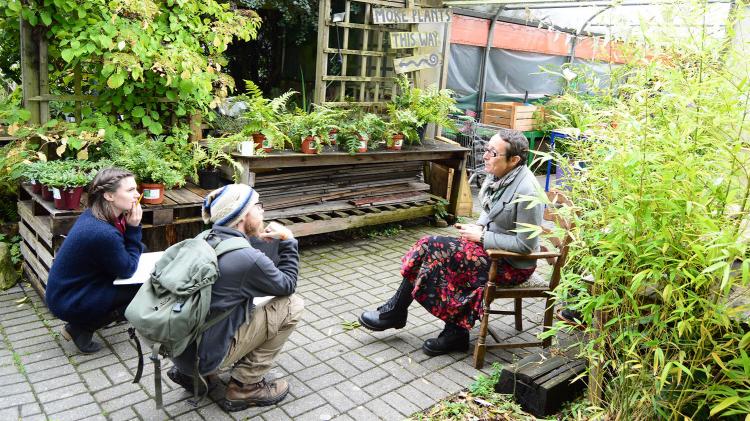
(414, 63)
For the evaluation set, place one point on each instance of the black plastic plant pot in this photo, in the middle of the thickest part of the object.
(209, 179)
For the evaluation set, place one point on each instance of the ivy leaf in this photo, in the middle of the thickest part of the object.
(138, 112)
(116, 80)
(67, 54)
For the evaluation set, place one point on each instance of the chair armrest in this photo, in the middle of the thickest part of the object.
(496, 253)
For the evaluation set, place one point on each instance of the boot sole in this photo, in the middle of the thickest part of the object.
(378, 329)
(239, 405)
(434, 352)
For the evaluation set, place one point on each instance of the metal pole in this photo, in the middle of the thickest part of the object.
(483, 67)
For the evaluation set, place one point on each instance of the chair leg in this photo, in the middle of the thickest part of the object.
(519, 315)
(481, 347)
(547, 324)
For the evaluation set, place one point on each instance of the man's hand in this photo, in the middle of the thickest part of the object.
(276, 230)
(134, 215)
(470, 232)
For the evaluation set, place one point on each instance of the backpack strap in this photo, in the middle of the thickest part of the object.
(139, 371)
(157, 374)
(231, 244)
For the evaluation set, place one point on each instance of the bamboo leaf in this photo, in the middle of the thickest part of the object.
(726, 403)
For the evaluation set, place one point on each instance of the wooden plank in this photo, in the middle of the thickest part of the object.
(414, 15)
(41, 251)
(162, 217)
(363, 58)
(414, 63)
(30, 259)
(43, 79)
(357, 79)
(356, 221)
(41, 225)
(362, 26)
(322, 216)
(356, 52)
(30, 70)
(321, 59)
(36, 283)
(345, 46)
(400, 40)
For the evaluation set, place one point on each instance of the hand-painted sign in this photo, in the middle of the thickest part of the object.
(414, 39)
(395, 15)
(414, 63)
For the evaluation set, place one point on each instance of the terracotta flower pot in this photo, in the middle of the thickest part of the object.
(262, 142)
(68, 198)
(36, 186)
(310, 145)
(396, 142)
(362, 144)
(333, 136)
(153, 193)
(46, 193)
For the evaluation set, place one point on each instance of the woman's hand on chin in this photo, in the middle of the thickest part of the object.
(134, 215)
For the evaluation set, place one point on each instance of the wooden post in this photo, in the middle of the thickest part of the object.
(196, 132)
(321, 63)
(78, 91)
(30, 70)
(43, 80)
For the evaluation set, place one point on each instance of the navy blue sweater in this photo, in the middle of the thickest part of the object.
(79, 287)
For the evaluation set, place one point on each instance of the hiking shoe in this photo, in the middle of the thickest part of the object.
(241, 396)
(452, 338)
(82, 339)
(377, 321)
(186, 381)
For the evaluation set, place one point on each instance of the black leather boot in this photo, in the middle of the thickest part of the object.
(452, 338)
(82, 338)
(393, 313)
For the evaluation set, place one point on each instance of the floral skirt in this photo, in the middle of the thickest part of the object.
(449, 275)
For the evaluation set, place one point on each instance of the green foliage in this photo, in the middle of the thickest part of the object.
(215, 152)
(484, 386)
(67, 173)
(368, 127)
(155, 58)
(318, 123)
(11, 112)
(441, 208)
(167, 161)
(266, 116)
(660, 217)
(415, 107)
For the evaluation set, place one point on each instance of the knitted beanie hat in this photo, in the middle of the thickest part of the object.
(227, 205)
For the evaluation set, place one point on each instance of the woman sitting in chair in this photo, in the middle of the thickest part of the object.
(447, 275)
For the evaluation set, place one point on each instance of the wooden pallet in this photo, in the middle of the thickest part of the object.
(344, 215)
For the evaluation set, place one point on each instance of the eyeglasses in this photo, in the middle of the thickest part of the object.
(493, 153)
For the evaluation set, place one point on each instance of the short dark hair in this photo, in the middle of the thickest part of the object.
(106, 180)
(518, 145)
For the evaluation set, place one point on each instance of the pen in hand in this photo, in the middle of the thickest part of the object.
(139, 199)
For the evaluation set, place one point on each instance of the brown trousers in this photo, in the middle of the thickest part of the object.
(259, 340)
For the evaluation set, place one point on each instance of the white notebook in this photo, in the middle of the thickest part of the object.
(146, 265)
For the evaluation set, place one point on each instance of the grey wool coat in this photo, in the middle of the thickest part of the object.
(504, 216)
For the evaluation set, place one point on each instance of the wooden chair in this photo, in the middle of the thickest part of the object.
(534, 287)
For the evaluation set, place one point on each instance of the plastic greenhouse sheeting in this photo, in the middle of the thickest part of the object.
(510, 74)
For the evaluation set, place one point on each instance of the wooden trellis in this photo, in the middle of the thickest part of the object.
(365, 75)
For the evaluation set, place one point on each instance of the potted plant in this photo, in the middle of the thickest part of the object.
(66, 179)
(31, 171)
(430, 105)
(154, 164)
(362, 134)
(402, 126)
(264, 117)
(210, 155)
(312, 129)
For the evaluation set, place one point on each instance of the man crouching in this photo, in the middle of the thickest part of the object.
(247, 342)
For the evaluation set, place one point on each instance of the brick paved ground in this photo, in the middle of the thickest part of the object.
(334, 374)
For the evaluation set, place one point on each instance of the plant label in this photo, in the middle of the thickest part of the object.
(398, 142)
(151, 193)
(56, 193)
(266, 143)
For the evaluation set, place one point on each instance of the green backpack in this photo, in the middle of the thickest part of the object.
(170, 309)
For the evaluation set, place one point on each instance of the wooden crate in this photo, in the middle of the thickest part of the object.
(43, 228)
(511, 115)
